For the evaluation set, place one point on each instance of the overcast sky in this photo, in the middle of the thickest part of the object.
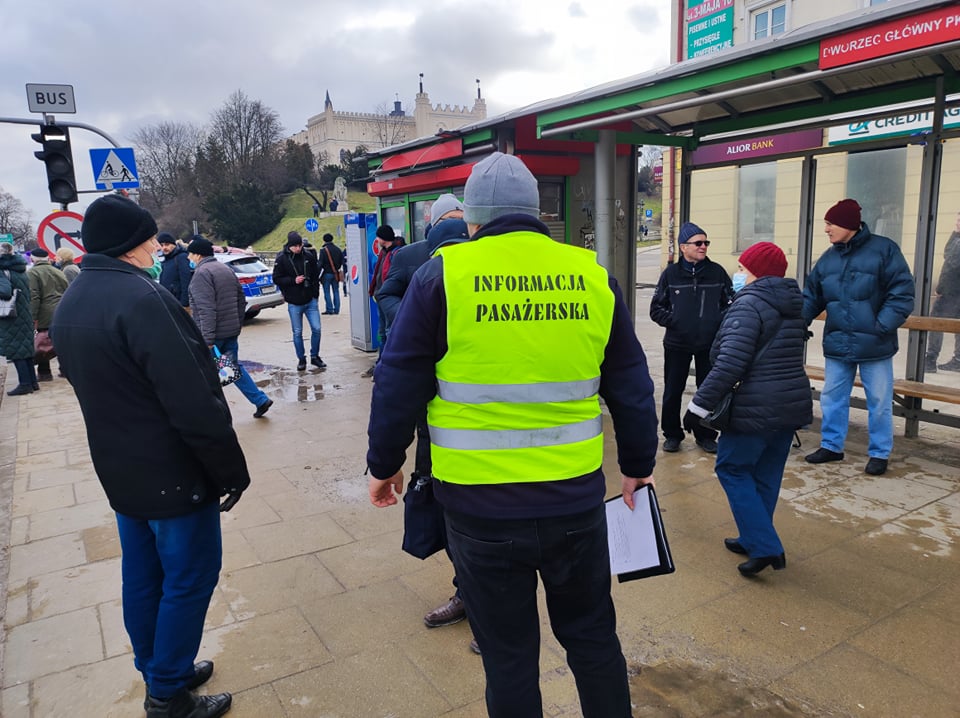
(134, 64)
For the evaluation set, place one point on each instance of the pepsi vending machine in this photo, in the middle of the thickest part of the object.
(361, 232)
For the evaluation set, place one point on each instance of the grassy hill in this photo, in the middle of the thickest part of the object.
(298, 208)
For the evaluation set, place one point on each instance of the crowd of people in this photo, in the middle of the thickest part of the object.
(505, 413)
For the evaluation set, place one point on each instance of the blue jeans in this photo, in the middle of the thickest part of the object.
(497, 563)
(244, 383)
(877, 379)
(331, 293)
(170, 568)
(310, 310)
(750, 469)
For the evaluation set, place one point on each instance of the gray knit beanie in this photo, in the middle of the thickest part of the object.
(499, 184)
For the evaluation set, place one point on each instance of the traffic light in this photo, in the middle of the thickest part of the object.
(58, 158)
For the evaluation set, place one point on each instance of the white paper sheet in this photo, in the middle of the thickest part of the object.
(631, 534)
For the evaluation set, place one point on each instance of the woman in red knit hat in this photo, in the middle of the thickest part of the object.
(758, 353)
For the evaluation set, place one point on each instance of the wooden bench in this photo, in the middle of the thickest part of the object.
(908, 394)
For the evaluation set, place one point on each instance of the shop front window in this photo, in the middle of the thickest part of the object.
(877, 180)
(756, 204)
(396, 217)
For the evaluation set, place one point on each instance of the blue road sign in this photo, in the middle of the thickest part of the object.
(114, 168)
(649, 213)
(312, 225)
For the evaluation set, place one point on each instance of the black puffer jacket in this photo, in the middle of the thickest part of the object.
(689, 301)
(775, 393)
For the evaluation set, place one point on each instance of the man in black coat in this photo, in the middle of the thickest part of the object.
(690, 299)
(176, 273)
(162, 444)
(297, 273)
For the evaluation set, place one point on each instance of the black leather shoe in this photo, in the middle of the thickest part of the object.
(20, 390)
(734, 545)
(756, 565)
(708, 445)
(822, 456)
(186, 705)
(671, 445)
(302, 364)
(263, 408)
(318, 362)
(876, 466)
(202, 670)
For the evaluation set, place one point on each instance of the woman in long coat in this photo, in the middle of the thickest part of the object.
(773, 399)
(16, 334)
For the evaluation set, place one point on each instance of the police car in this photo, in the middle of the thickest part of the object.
(255, 277)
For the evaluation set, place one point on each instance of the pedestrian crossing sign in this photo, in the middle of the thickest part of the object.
(114, 168)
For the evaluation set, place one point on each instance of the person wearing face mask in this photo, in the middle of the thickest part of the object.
(760, 346)
(691, 296)
(162, 445)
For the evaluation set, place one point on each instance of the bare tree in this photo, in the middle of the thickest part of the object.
(391, 125)
(248, 134)
(15, 220)
(166, 153)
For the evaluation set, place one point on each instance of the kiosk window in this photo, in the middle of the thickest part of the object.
(756, 204)
(551, 201)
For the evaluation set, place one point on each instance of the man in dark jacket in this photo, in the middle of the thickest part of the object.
(866, 287)
(405, 263)
(297, 273)
(162, 445)
(176, 273)
(387, 242)
(514, 409)
(690, 299)
(218, 304)
(331, 271)
(946, 303)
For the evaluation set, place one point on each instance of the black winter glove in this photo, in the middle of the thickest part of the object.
(691, 422)
(232, 498)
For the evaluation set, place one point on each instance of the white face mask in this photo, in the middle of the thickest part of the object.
(739, 281)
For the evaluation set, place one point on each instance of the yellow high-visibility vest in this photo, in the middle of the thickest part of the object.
(528, 320)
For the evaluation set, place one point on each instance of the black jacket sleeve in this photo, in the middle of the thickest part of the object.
(661, 308)
(184, 274)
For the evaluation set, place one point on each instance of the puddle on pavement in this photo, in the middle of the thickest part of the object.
(289, 384)
(674, 690)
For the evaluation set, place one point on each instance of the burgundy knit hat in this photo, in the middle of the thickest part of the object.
(845, 213)
(764, 259)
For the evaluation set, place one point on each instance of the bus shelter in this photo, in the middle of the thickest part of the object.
(761, 141)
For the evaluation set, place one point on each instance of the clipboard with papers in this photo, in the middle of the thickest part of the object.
(637, 541)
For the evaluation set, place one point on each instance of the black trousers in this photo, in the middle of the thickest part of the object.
(497, 563)
(676, 369)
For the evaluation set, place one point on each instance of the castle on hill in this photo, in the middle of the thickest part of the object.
(333, 132)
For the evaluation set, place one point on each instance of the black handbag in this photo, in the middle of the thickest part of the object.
(719, 418)
(424, 531)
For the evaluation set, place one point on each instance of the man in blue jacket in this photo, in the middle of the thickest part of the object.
(176, 272)
(866, 287)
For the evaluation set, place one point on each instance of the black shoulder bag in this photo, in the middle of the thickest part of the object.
(719, 418)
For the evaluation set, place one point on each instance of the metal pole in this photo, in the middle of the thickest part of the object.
(605, 160)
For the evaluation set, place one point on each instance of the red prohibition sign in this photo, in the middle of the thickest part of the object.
(61, 229)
